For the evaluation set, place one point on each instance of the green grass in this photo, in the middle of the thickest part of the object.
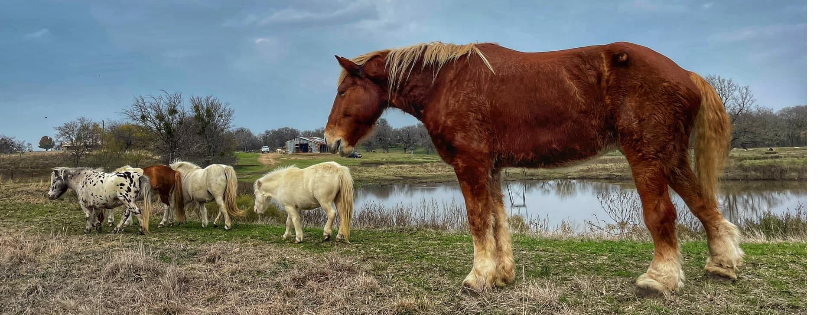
(588, 276)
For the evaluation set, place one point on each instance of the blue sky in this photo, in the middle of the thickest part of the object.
(273, 61)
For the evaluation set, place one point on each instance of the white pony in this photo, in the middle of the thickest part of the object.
(98, 191)
(297, 189)
(216, 182)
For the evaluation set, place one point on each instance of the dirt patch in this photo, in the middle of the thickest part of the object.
(268, 159)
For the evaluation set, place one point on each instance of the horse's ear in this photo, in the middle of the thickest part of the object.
(258, 183)
(374, 69)
(351, 67)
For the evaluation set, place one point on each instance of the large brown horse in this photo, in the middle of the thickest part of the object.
(487, 107)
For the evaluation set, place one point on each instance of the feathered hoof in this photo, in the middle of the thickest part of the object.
(726, 271)
(476, 284)
(646, 287)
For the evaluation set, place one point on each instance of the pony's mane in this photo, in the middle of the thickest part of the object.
(399, 62)
(280, 169)
(184, 164)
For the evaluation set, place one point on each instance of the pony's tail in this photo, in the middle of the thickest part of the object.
(344, 203)
(230, 193)
(712, 136)
(145, 190)
(179, 204)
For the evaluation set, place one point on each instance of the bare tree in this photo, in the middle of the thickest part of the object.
(162, 115)
(794, 123)
(246, 140)
(79, 137)
(213, 120)
(11, 145)
(738, 101)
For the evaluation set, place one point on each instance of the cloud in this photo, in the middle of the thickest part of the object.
(38, 34)
(352, 12)
(757, 32)
(708, 5)
(651, 6)
(261, 40)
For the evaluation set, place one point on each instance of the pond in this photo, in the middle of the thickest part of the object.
(580, 200)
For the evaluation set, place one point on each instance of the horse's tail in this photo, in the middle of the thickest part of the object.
(179, 204)
(344, 202)
(145, 191)
(230, 193)
(712, 136)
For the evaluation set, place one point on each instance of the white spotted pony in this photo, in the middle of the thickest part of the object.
(98, 191)
(297, 189)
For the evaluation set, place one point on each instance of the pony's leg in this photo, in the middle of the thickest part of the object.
(135, 211)
(723, 237)
(288, 225)
(126, 215)
(331, 217)
(505, 265)
(665, 273)
(293, 214)
(88, 215)
(203, 214)
(111, 217)
(474, 180)
(165, 216)
(224, 212)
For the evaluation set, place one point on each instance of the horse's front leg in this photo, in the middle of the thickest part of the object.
(88, 215)
(331, 217)
(481, 213)
(110, 217)
(293, 214)
(288, 225)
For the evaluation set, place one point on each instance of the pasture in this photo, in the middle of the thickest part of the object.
(49, 265)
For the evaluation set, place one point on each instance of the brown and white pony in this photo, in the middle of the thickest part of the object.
(167, 184)
(487, 107)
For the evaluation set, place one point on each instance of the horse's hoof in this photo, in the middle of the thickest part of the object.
(646, 287)
(99, 228)
(141, 232)
(216, 226)
(160, 226)
(87, 231)
(227, 228)
(297, 241)
(110, 224)
(326, 238)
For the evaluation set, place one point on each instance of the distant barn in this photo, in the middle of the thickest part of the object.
(307, 145)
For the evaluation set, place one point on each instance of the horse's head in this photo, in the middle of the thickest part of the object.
(59, 183)
(261, 199)
(361, 98)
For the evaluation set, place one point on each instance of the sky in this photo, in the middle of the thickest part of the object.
(273, 61)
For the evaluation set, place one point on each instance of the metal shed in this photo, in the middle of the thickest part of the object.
(306, 145)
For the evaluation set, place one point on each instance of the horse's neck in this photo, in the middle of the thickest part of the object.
(76, 179)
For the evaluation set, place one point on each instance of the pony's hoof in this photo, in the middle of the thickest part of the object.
(227, 228)
(285, 237)
(297, 241)
(99, 228)
(116, 230)
(326, 238)
(87, 231)
(160, 226)
(141, 232)
(216, 226)
(110, 224)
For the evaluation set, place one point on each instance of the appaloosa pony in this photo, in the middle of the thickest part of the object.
(297, 189)
(98, 191)
(167, 184)
(216, 182)
(487, 107)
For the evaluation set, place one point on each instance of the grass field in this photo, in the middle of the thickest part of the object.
(47, 265)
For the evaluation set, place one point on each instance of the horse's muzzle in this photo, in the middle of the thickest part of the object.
(334, 147)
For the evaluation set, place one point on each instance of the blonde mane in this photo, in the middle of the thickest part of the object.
(279, 169)
(184, 165)
(399, 62)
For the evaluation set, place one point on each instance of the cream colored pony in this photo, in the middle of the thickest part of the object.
(297, 189)
(216, 182)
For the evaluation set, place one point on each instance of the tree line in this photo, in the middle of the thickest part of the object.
(201, 130)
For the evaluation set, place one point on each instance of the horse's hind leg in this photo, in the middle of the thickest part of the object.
(111, 217)
(665, 273)
(165, 211)
(723, 237)
(216, 220)
(224, 212)
(126, 215)
(331, 217)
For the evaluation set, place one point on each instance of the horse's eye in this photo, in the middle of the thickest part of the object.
(342, 93)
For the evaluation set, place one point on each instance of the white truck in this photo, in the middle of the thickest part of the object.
(265, 149)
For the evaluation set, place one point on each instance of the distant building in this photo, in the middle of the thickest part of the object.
(306, 145)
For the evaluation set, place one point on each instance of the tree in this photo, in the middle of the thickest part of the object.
(277, 138)
(213, 119)
(46, 143)
(318, 132)
(794, 125)
(738, 101)
(382, 134)
(246, 140)
(79, 137)
(11, 145)
(163, 116)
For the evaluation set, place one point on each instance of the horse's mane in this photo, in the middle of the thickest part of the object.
(280, 169)
(185, 165)
(399, 62)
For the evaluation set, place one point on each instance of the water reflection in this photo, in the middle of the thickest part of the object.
(577, 200)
